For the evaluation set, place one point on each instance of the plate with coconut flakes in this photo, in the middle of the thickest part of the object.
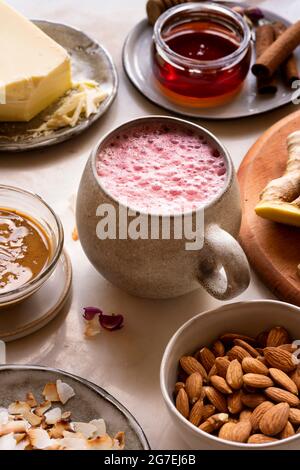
(48, 409)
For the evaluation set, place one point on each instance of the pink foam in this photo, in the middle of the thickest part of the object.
(161, 168)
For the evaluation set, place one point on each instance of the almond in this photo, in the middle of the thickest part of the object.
(207, 359)
(260, 439)
(208, 410)
(239, 432)
(213, 371)
(254, 366)
(182, 403)
(191, 365)
(234, 375)
(218, 349)
(252, 400)
(263, 360)
(275, 419)
(257, 381)
(234, 402)
(220, 384)
(222, 364)
(283, 379)
(196, 413)
(258, 413)
(252, 351)
(287, 431)
(214, 422)
(278, 336)
(193, 387)
(294, 416)
(288, 347)
(295, 376)
(262, 338)
(226, 429)
(237, 353)
(280, 359)
(278, 395)
(230, 337)
(178, 386)
(216, 398)
(245, 415)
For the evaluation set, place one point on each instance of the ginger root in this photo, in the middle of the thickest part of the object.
(280, 200)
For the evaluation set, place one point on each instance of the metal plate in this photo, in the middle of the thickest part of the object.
(90, 401)
(137, 56)
(33, 313)
(89, 61)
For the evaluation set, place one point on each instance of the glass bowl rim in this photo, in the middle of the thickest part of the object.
(44, 274)
(206, 7)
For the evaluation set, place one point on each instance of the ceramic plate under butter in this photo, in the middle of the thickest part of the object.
(89, 61)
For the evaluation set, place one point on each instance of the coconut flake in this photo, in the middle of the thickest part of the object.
(39, 438)
(101, 443)
(4, 416)
(73, 443)
(66, 416)
(21, 445)
(41, 410)
(30, 399)
(53, 416)
(18, 408)
(119, 441)
(32, 418)
(57, 431)
(7, 442)
(14, 427)
(100, 425)
(87, 429)
(65, 391)
(50, 392)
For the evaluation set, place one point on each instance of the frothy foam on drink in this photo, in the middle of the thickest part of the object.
(161, 168)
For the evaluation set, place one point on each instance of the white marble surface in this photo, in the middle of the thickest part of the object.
(127, 362)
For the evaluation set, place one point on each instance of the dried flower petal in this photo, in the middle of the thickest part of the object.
(111, 322)
(92, 328)
(91, 312)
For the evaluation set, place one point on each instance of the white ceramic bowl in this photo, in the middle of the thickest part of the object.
(244, 317)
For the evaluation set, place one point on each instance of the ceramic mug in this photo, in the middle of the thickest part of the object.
(165, 268)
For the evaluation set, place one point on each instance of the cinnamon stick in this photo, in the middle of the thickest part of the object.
(278, 52)
(265, 36)
(289, 67)
(154, 9)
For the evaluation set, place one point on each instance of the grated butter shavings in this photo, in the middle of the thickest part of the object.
(83, 100)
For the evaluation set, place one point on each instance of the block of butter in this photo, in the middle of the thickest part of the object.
(34, 70)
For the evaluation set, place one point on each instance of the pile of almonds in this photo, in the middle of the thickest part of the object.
(242, 389)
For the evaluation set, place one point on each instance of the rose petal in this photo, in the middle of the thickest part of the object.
(111, 322)
(90, 312)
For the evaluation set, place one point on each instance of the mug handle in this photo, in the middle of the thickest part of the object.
(223, 251)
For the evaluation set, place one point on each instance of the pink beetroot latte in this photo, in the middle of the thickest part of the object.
(161, 168)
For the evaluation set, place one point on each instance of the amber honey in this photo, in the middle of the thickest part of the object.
(200, 61)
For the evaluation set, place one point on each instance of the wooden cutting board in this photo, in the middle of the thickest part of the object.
(272, 249)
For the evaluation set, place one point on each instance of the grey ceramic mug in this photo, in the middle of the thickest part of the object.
(164, 268)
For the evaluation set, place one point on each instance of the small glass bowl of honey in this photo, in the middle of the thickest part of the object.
(31, 243)
(201, 54)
